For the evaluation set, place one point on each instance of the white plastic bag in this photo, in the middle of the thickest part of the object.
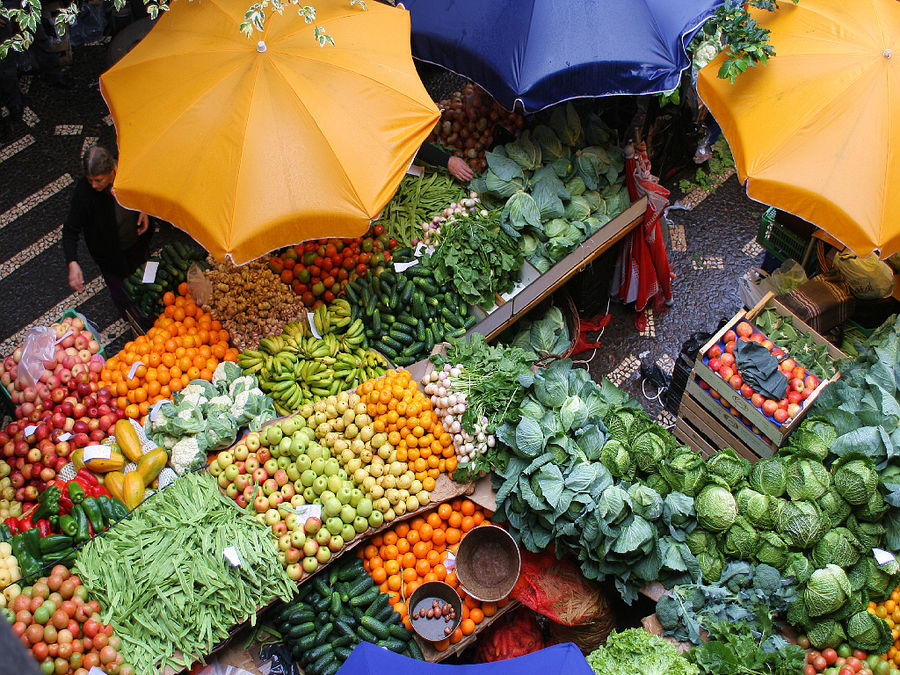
(40, 346)
(788, 277)
(198, 285)
(753, 286)
(869, 278)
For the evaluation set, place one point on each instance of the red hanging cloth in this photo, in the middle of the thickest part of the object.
(642, 273)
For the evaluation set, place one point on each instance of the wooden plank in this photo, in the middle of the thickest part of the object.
(588, 251)
(688, 436)
(759, 446)
(699, 417)
(434, 656)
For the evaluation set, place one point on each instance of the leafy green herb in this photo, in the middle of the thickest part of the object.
(635, 652)
(735, 649)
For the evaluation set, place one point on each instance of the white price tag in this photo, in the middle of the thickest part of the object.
(231, 555)
(312, 325)
(150, 272)
(154, 411)
(97, 452)
(95, 671)
(402, 267)
(30, 429)
(134, 367)
(882, 557)
(308, 511)
(450, 562)
(65, 436)
(420, 249)
(64, 337)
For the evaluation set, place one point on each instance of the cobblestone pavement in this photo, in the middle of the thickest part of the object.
(711, 245)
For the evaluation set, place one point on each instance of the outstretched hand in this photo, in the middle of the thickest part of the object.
(459, 168)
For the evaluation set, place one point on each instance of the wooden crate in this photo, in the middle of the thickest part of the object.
(773, 432)
(697, 427)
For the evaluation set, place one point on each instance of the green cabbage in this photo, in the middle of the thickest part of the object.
(855, 480)
(658, 483)
(867, 632)
(578, 208)
(520, 211)
(799, 567)
(838, 546)
(685, 472)
(873, 510)
(834, 506)
(576, 187)
(700, 540)
(741, 540)
(826, 591)
(772, 550)
(564, 120)
(617, 459)
(727, 465)
(524, 152)
(550, 145)
(592, 164)
(802, 524)
(807, 479)
(504, 188)
(645, 501)
(716, 508)
(649, 449)
(548, 202)
(825, 634)
(769, 476)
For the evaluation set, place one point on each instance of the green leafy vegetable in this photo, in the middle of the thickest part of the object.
(635, 652)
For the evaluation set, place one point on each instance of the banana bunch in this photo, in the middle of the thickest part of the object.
(296, 368)
(328, 320)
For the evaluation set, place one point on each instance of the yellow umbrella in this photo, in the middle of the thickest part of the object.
(815, 131)
(249, 146)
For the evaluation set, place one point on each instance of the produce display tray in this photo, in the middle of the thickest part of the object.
(533, 293)
(770, 430)
(433, 656)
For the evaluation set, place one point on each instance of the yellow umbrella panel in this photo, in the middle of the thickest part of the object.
(249, 146)
(814, 131)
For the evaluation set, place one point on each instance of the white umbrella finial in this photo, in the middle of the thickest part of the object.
(886, 53)
(261, 46)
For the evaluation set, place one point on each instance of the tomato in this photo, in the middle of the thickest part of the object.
(289, 254)
(276, 265)
(819, 663)
(327, 264)
(329, 296)
(289, 264)
(90, 628)
(48, 667)
(393, 243)
(367, 245)
(330, 250)
(348, 263)
(860, 654)
(308, 299)
(845, 651)
(328, 281)
(378, 229)
(309, 258)
(809, 670)
(297, 287)
(830, 656)
(315, 271)
(854, 664)
(845, 671)
(361, 270)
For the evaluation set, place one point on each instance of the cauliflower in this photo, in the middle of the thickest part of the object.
(243, 407)
(220, 401)
(186, 455)
(194, 394)
(225, 373)
(241, 384)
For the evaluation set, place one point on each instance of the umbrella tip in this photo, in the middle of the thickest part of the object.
(886, 53)
(261, 46)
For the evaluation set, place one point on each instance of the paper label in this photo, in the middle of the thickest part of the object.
(305, 512)
(134, 367)
(882, 557)
(154, 411)
(150, 272)
(312, 325)
(95, 671)
(450, 562)
(65, 335)
(231, 555)
(97, 452)
(64, 436)
(402, 267)
(420, 249)
(415, 170)
(30, 429)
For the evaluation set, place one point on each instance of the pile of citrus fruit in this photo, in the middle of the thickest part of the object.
(399, 409)
(416, 551)
(184, 344)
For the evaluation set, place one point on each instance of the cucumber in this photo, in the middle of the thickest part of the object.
(398, 646)
(301, 629)
(354, 571)
(420, 332)
(418, 304)
(384, 614)
(375, 627)
(366, 635)
(451, 318)
(404, 360)
(389, 276)
(342, 653)
(413, 349)
(389, 341)
(428, 287)
(323, 662)
(336, 604)
(376, 321)
(366, 598)
(407, 296)
(317, 652)
(414, 650)
(401, 337)
(387, 320)
(324, 632)
(344, 628)
(469, 322)
(402, 254)
(321, 586)
(364, 584)
(408, 320)
(331, 667)
(399, 632)
(343, 640)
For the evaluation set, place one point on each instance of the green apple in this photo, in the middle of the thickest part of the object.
(360, 524)
(310, 564)
(320, 484)
(376, 518)
(335, 483)
(323, 536)
(364, 508)
(348, 513)
(273, 434)
(334, 525)
(252, 441)
(323, 555)
(298, 538)
(344, 493)
(356, 496)
(332, 507)
(348, 532)
(307, 478)
(303, 463)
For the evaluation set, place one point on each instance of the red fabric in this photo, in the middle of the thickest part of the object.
(644, 276)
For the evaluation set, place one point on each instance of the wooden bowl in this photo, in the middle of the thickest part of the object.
(434, 629)
(488, 563)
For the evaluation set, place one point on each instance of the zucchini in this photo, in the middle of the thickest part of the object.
(375, 627)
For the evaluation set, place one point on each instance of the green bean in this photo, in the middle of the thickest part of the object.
(172, 595)
(418, 200)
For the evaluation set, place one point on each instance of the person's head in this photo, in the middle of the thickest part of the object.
(99, 167)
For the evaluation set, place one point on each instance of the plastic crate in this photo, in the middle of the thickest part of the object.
(778, 240)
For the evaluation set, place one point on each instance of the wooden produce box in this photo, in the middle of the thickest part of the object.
(708, 426)
(771, 434)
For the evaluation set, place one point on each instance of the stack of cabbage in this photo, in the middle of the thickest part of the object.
(206, 416)
(558, 185)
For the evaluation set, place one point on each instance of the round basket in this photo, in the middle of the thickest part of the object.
(434, 629)
(573, 323)
(488, 563)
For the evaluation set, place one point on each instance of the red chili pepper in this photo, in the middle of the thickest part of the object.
(65, 505)
(86, 478)
(43, 527)
(13, 524)
(90, 529)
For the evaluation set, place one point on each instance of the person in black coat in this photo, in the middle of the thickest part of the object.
(117, 238)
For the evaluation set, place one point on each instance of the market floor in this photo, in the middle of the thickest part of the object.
(711, 246)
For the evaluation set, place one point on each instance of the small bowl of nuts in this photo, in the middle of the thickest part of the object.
(435, 610)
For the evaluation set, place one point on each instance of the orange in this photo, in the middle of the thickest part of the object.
(468, 507)
(489, 608)
(390, 537)
(402, 546)
(379, 575)
(444, 511)
(428, 483)
(434, 520)
(476, 615)
(453, 581)
(420, 550)
(467, 626)
(410, 574)
(408, 560)
(457, 636)
(422, 567)
(440, 572)
(455, 519)
(376, 562)
(392, 567)
(468, 523)
(413, 537)
(433, 557)
(439, 538)
(442, 646)
(453, 536)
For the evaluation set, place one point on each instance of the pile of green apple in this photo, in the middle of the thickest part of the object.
(341, 424)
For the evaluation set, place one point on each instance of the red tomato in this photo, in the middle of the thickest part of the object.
(287, 276)
(329, 296)
(308, 299)
(378, 229)
(819, 663)
(310, 246)
(315, 271)
(830, 656)
(327, 264)
(809, 670)
(392, 243)
(328, 281)
(330, 250)
(361, 270)
(853, 663)
(846, 671)
(811, 656)
(348, 263)
(342, 274)
(860, 654)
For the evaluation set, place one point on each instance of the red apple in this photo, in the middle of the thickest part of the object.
(799, 372)
(783, 404)
(727, 359)
(729, 347)
(730, 336)
(811, 381)
(747, 391)
(794, 397)
(744, 329)
(769, 407)
(736, 381)
(797, 384)
(726, 373)
(757, 400)
(714, 352)
(757, 337)
(768, 344)
(788, 364)
(781, 415)
(793, 409)
(778, 352)
(715, 364)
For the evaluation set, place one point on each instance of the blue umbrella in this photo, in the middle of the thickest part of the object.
(541, 52)
(562, 659)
